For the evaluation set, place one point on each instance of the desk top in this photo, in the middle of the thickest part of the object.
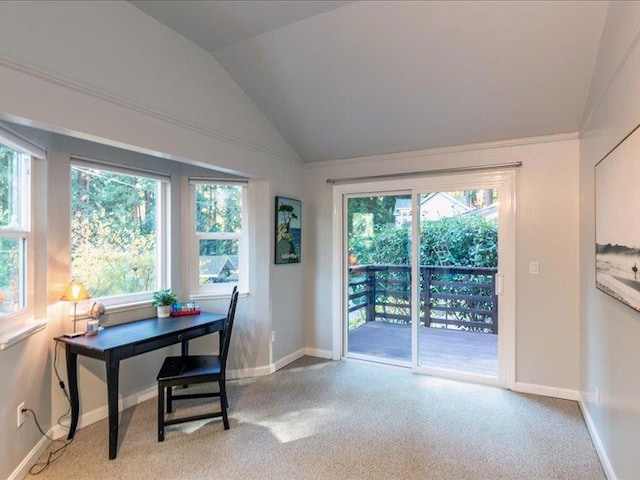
(143, 330)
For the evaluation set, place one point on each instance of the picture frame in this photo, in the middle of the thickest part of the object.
(617, 227)
(288, 230)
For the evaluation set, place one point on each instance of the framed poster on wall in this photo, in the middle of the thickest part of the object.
(288, 232)
(617, 196)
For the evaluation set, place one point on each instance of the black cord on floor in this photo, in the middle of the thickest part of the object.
(53, 455)
(57, 452)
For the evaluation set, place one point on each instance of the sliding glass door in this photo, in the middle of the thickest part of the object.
(423, 264)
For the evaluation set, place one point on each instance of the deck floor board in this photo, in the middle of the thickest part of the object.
(467, 352)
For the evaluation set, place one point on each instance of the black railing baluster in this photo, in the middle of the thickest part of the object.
(371, 295)
(440, 297)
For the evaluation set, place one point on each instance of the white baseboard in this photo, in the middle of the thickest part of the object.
(546, 391)
(314, 352)
(292, 357)
(102, 412)
(597, 442)
(23, 469)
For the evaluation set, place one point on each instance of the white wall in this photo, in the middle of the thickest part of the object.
(610, 331)
(546, 231)
(105, 72)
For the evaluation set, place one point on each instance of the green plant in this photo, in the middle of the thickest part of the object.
(163, 298)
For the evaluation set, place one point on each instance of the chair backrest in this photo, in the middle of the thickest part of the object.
(226, 320)
(226, 338)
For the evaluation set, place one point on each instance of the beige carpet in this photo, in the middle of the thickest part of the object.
(348, 420)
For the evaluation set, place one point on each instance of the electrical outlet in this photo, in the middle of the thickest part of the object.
(273, 336)
(20, 415)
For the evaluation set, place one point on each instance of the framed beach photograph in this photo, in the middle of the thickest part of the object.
(617, 196)
(288, 234)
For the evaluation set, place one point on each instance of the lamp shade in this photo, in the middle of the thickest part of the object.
(75, 292)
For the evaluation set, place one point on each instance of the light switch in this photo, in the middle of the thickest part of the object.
(533, 268)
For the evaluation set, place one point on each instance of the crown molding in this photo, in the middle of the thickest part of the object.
(56, 79)
(389, 157)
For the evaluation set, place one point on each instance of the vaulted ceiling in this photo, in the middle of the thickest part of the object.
(348, 79)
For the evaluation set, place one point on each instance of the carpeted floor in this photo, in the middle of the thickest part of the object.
(348, 420)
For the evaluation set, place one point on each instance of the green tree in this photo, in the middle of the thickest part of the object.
(113, 231)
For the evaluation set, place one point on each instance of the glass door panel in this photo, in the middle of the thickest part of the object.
(378, 265)
(458, 257)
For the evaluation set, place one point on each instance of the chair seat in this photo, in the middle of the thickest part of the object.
(181, 369)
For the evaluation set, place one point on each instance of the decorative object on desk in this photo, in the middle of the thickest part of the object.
(188, 308)
(74, 293)
(92, 327)
(288, 230)
(617, 234)
(163, 299)
(96, 310)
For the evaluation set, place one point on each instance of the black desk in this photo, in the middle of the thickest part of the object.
(127, 340)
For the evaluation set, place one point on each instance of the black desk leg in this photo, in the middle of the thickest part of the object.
(72, 379)
(113, 369)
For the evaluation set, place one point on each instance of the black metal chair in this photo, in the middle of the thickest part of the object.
(195, 369)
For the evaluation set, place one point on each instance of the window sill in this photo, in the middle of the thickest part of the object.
(13, 332)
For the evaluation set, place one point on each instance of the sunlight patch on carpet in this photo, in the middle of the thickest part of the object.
(191, 427)
(296, 425)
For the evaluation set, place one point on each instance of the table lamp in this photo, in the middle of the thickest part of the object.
(74, 293)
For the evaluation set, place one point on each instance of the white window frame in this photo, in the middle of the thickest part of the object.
(163, 255)
(196, 290)
(24, 233)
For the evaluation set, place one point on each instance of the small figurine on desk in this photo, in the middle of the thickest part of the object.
(95, 312)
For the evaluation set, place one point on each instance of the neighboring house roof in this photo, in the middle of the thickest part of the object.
(214, 265)
(402, 204)
(490, 212)
(433, 206)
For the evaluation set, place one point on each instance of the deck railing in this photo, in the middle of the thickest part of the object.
(453, 297)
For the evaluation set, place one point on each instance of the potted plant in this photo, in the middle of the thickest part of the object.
(163, 299)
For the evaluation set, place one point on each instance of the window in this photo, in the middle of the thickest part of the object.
(15, 231)
(218, 257)
(118, 244)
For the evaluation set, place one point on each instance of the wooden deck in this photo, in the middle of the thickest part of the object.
(467, 352)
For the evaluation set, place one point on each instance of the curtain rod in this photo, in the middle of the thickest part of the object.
(425, 172)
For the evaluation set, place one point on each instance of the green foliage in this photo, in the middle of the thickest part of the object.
(381, 208)
(113, 231)
(163, 298)
(11, 248)
(464, 240)
(471, 240)
(218, 208)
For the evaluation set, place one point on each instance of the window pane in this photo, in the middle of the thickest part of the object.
(219, 261)
(114, 220)
(11, 265)
(218, 208)
(11, 172)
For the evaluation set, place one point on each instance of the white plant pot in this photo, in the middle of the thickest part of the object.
(164, 311)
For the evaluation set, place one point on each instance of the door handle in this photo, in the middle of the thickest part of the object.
(499, 284)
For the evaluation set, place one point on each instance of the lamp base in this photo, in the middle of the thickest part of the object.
(72, 334)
